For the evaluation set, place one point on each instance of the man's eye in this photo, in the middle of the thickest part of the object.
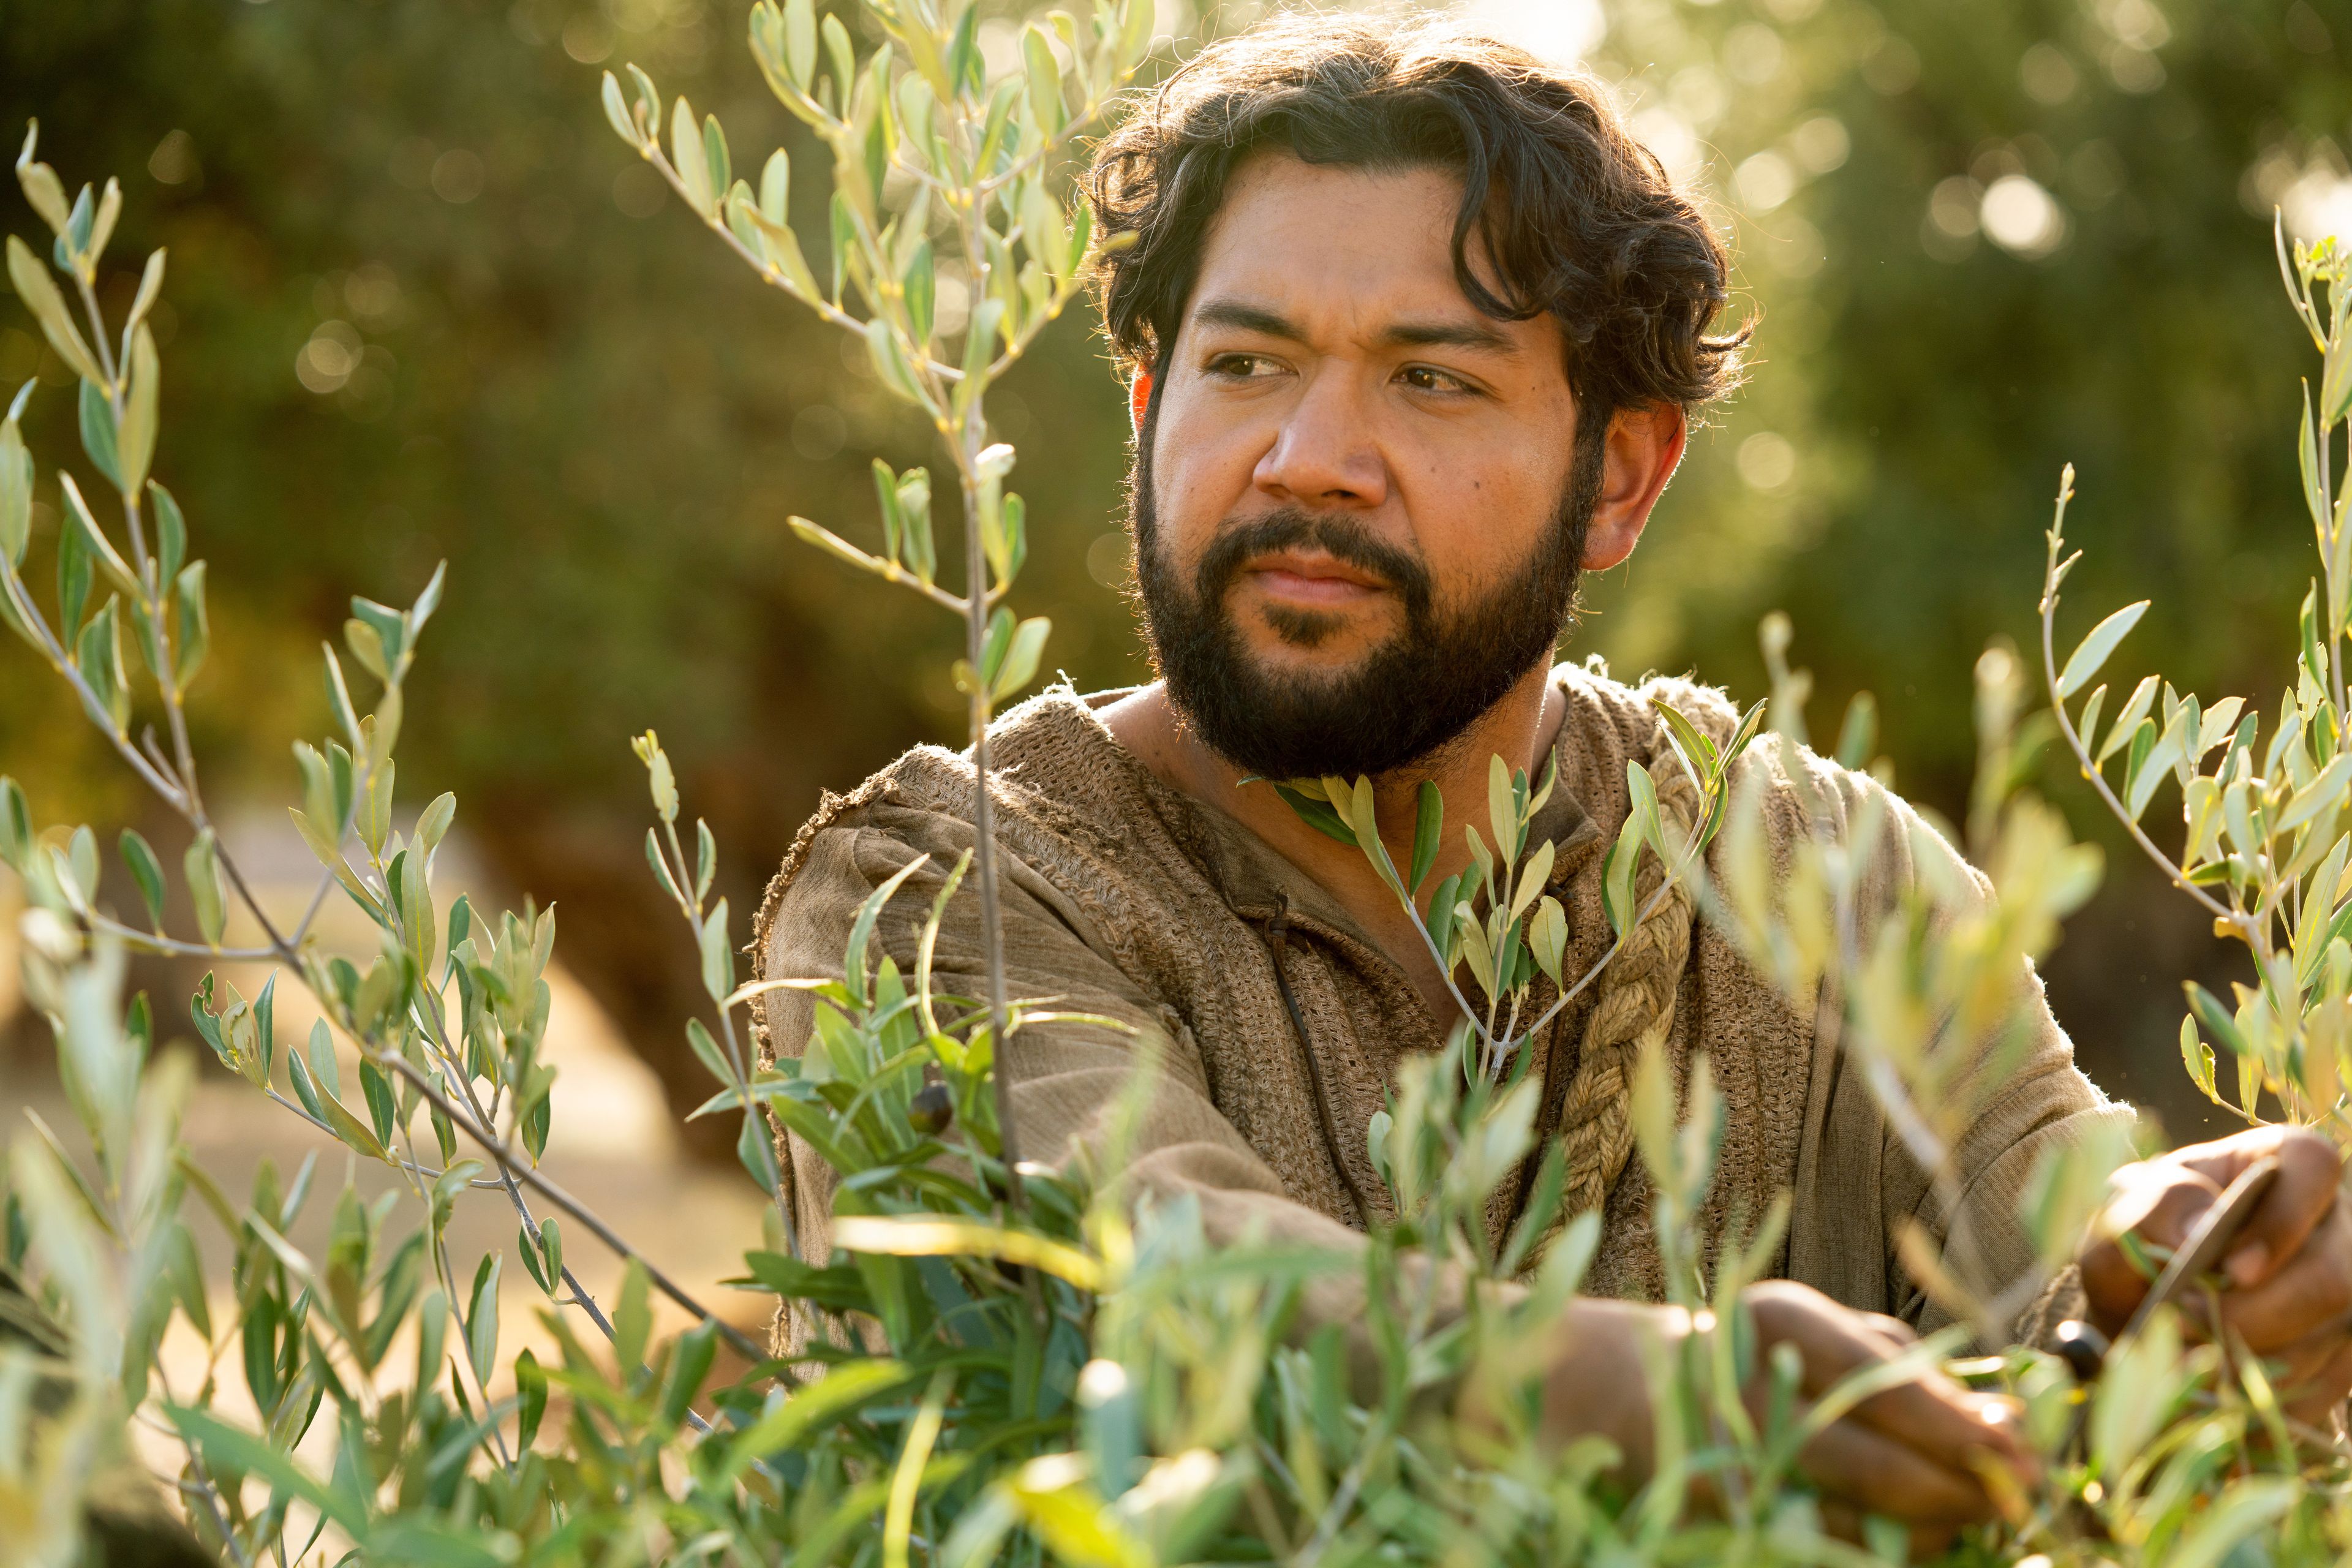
(1426, 378)
(1241, 367)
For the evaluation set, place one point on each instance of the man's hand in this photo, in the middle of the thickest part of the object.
(2289, 1272)
(1911, 1452)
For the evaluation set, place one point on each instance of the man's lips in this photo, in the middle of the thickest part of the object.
(1312, 579)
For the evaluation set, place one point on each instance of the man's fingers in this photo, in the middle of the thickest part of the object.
(1832, 1340)
(2159, 1202)
(2310, 1172)
(2314, 1379)
(1936, 1417)
(1849, 1461)
(1899, 1335)
(1927, 1411)
(2309, 1294)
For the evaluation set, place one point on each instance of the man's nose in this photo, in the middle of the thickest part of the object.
(1323, 454)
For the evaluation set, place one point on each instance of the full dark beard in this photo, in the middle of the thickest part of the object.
(1398, 704)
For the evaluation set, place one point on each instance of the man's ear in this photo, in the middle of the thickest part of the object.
(1642, 448)
(1138, 398)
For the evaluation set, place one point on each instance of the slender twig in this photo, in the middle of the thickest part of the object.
(98, 333)
(153, 752)
(962, 426)
(311, 913)
(202, 1488)
(1665, 887)
(1046, 147)
(573, 1208)
(138, 940)
(205, 1490)
(414, 1166)
(1445, 973)
(29, 616)
(1343, 1498)
(681, 878)
(2236, 918)
(175, 713)
(971, 430)
(991, 933)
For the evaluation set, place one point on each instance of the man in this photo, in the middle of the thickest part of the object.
(1415, 332)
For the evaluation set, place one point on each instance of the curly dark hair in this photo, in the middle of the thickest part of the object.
(1577, 217)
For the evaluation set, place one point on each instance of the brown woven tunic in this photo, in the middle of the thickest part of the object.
(1129, 899)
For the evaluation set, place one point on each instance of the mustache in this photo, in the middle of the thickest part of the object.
(1338, 536)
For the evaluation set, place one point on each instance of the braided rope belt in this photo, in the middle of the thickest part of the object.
(1634, 1013)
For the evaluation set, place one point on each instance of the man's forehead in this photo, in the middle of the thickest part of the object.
(1372, 249)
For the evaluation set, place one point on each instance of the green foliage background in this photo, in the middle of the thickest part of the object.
(603, 427)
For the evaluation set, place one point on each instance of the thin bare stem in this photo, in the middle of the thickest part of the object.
(205, 1490)
(966, 436)
(97, 334)
(1470, 1013)
(891, 572)
(436, 1033)
(1602, 963)
(991, 933)
(737, 1061)
(21, 601)
(580, 1213)
(1046, 147)
(1343, 1498)
(197, 1484)
(153, 752)
(138, 940)
(2236, 918)
(311, 913)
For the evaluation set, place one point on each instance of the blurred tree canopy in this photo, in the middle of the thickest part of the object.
(422, 305)
(1984, 240)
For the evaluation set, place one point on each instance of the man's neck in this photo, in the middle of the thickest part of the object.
(1521, 728)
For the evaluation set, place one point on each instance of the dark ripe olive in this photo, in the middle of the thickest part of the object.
(932, 1108)
(2082, 1348)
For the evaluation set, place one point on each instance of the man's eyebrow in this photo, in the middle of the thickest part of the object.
(1240, 316)
(1246, 318)
(1448, 334)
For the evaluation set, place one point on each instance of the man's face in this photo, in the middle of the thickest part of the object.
(1358, 508)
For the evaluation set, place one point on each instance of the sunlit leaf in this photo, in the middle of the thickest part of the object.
(39, 292)
(2093, 651)
(147, 872)
(940, 1235)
